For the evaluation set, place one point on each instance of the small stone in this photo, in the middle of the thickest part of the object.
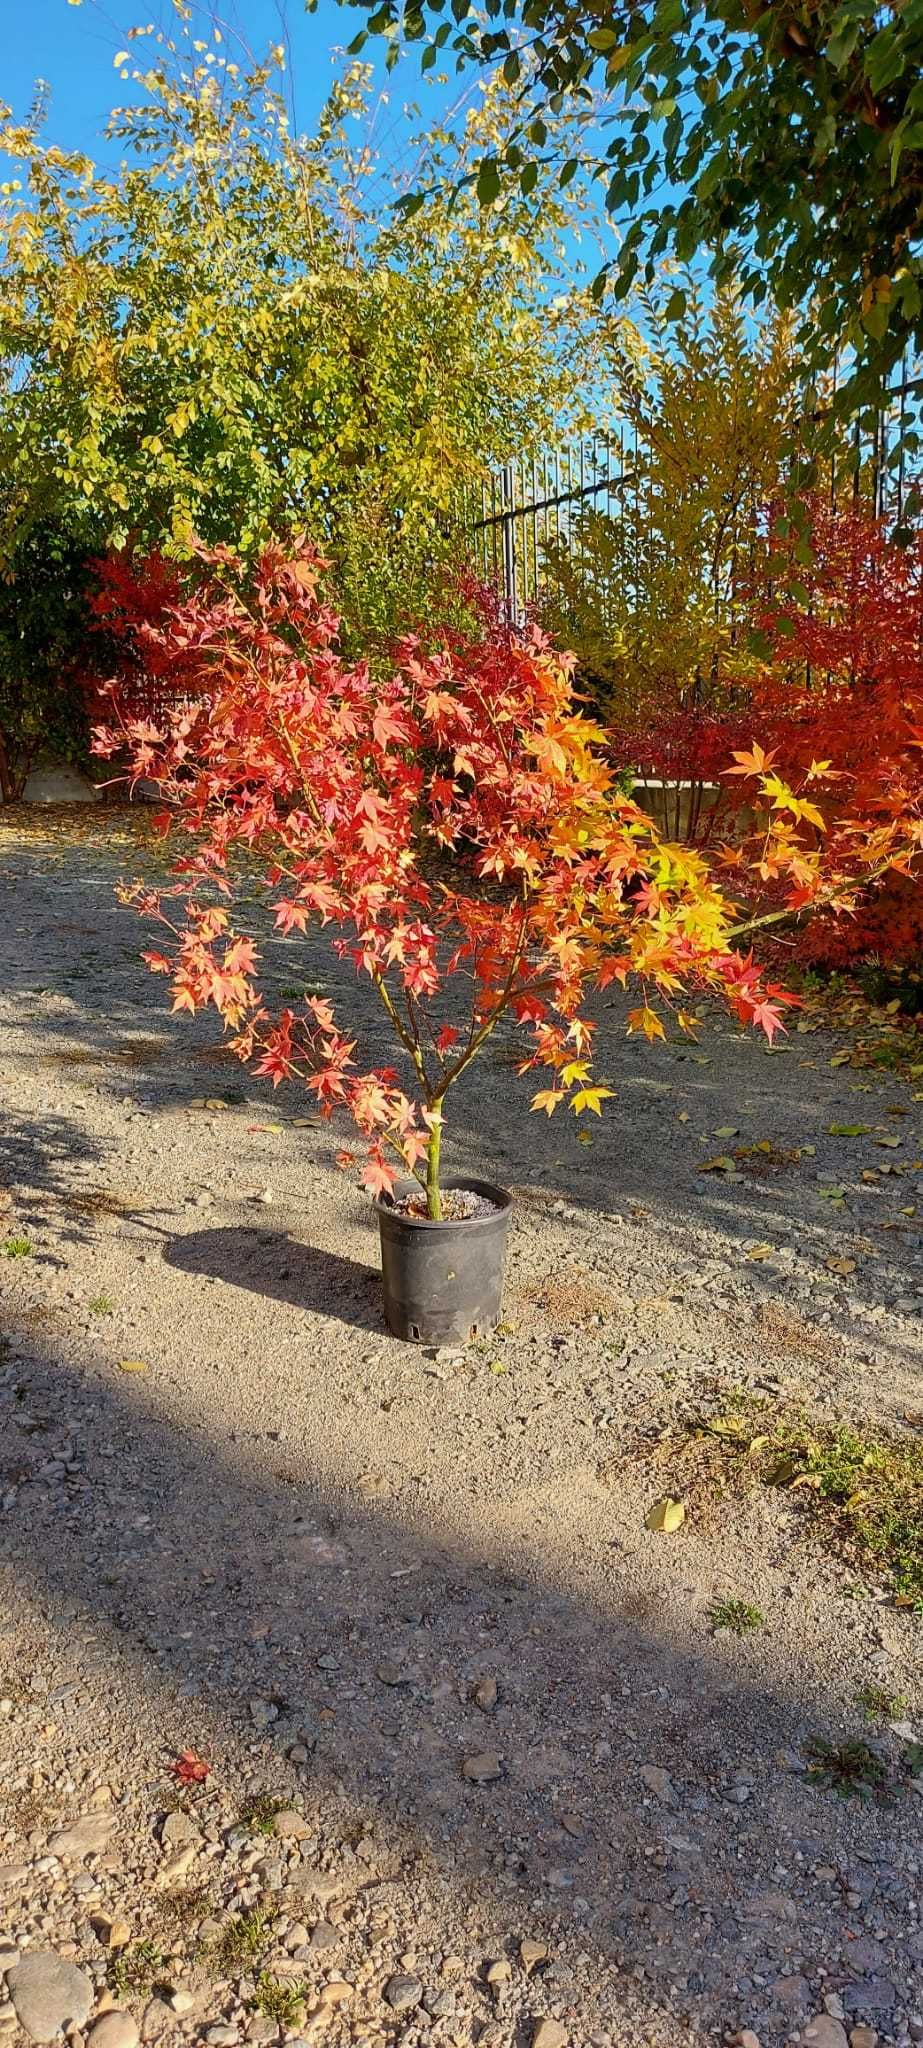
(85, 1837)
(747, 2038)
(178, 1828)
(49, 1993)
(290, 1825)
(178, 1865)
(824, 2032)
(156, 2019)
(336, 1992)
(182, 1999)
(113, 2030)
(265, 1196)
(113, 1934)
(324, 1935)
(263, 1713)
(485, 1694)
(440, 2004)
(791, 1991)
(863, 2037)
(659, 1782)
(221, 2037)
(549, 2034)
(9, 1957)
(392, 1674)
(499, 1972)
(482, 1769)
(297, 1937)
(262, 2029)
(531, 1953)
(403, 1993)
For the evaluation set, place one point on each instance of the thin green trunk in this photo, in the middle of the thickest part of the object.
(433, 1150)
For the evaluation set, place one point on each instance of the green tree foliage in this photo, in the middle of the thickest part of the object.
(650, 595)
(222, 337)
(784, 141)
(47, 648)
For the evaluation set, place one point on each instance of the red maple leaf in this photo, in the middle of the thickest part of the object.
(190, 1768)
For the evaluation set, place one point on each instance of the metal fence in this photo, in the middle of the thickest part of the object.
(534, 504)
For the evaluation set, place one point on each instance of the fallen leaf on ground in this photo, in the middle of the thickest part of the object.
(666, 1515)
(723, 1164)
(761, 1251)
(835, 1265)
(132, 1365)
(784, 1470)
(849, 1130)
(189, 1768)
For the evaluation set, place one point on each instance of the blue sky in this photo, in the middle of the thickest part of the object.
(72, 48)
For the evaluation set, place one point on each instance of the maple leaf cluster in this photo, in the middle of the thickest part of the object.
(840, 701)
(454, 822)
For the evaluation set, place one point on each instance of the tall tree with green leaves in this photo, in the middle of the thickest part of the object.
(231, 334)
(779, 143)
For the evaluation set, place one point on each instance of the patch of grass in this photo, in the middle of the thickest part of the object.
(134, 1971)
(737, 1616)
(260, 1812)
(880, 1704)
(240, 1942)
(17, 1248)
(101, 1305)
(863, 1492)
(182, 1909)
(851, 1769)
(282, 2002)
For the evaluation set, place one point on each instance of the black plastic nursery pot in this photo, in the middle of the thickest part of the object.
(443, 1282)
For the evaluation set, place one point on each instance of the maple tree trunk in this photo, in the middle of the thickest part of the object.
(433, 1151)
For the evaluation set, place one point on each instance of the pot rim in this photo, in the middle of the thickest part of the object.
(501, 1198)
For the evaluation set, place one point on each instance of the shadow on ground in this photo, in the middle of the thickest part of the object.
(219, 1591)
(274, 1265)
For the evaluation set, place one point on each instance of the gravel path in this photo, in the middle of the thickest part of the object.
(412, 1599)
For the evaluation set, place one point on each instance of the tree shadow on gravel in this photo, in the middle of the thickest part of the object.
(274, 1264)
(246, 1601)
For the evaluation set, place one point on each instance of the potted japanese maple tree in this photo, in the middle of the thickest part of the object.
(457, 828)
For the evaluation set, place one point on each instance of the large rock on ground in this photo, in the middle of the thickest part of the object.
(48, 1994)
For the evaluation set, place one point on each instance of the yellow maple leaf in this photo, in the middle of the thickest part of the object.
(646, 1020)
(548, 1099)
(590, 1098)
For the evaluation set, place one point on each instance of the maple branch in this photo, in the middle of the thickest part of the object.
(754, 924)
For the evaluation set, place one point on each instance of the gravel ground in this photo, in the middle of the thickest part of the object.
(526, 1794)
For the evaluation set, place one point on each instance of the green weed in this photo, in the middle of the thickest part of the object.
(880, 1704)
(737, 1616)
(17, 1248)
(260, 1812)
(851, 1769)
(240, 1942)
(282, 2002)
(133, 1972)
